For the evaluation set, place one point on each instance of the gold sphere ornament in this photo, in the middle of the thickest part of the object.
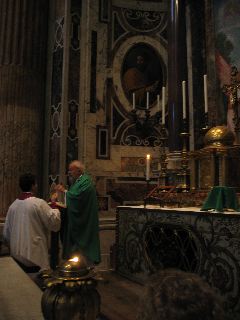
(219, 136)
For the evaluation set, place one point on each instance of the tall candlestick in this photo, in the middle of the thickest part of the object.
(205, 94)
(163, 104)
(148, 167)
(147, 100)
(184, 99)
(158, 102)
(133, 100)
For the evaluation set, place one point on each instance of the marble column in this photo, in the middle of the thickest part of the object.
(23, 39)
(177, 70)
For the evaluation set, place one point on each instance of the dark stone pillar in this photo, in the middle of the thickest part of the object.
(177, 70)
(198, 38)
(23, 40)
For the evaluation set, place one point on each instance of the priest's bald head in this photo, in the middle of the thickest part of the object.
(75, 169)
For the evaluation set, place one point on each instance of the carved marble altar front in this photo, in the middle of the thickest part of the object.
(206, 243)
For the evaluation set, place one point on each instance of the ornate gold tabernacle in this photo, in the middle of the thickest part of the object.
(217, 164)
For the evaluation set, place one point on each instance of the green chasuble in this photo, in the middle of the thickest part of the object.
(82, 232)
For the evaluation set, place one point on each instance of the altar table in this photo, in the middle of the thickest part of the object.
(20, 298)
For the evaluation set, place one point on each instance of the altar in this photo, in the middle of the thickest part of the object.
(208, 243)
(20, 296)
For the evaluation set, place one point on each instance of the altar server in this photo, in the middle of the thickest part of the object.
(27, 227)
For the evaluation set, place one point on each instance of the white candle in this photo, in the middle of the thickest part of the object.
(158, 102)
(148, 167)
(147, 100)
(133, 100)
(163, 104)
(205, 93)
(184, 99)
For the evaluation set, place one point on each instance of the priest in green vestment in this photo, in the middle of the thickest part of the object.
(82, 230)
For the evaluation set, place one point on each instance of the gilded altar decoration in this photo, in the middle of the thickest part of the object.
(219, 136)
(71, 291)
(217, 164)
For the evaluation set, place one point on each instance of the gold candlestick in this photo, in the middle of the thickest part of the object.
(184, 172)
(206, 125)
(163, 157)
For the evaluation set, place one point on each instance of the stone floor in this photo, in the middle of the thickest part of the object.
(119, 297)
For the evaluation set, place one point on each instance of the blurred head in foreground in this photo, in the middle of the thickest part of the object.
(177, 295)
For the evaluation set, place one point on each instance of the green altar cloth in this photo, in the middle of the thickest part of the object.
(221, 198)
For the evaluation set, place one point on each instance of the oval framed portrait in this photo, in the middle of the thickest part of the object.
(142, 75)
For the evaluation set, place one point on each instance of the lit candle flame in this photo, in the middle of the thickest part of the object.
(148, 167)
(74, 259)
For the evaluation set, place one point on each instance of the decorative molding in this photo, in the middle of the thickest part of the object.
(56, 100)
(103, 203)
(143, 21)
(58, 39)
(75, 31)
(132, 137)
(93, 100)
(103, 151)
(104, 11)
(156, 5)
(118, 29)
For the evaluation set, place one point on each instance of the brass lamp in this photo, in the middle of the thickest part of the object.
(71, 291)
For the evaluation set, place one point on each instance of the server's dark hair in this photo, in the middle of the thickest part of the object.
(26, 181)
